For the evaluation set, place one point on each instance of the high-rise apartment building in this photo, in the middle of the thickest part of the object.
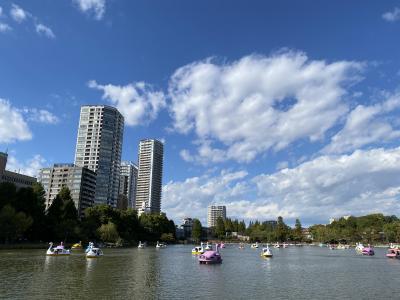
(80, 180)
(128, 181)
(214, 212)
(149, 182)
(99, 147)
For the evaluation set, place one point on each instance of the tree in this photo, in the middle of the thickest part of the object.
(242, 227)
(108, 233)
(298, 231)
(62, 216)
(167, 237)
(220, 228)
(13, 224)
(7, 193)
(155, 225)
(281, 230)
(196, 230)
(122, 202)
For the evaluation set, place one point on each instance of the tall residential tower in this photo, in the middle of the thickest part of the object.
(149, 182)
(127, 182)
(214, 212)
(99, 147)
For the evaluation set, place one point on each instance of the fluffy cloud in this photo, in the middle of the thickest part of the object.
(361, 183)
(4, 27)
(12, 124)
(29, 167)
(96, 7)
(258, 103)
(138, 102)
(44, 30)
(328, 186)
(192, 196)
(392, 16)
(40, 116)
(366, 125)
(18, 14)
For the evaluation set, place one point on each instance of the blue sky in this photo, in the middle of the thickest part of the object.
(270, 107)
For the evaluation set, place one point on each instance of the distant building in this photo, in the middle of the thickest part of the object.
(214, 212)
(80, 180)
(307, 234)
(184, 231)
(272, 223)
(99, 147)
(149, 181)
(20, 180)
(128, 181)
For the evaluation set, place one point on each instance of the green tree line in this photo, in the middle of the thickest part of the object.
(373, 228)
(23, 218)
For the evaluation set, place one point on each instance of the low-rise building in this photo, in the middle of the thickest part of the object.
(81, 181)
(20, 180)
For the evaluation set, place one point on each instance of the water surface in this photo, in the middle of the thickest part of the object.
(173, 273)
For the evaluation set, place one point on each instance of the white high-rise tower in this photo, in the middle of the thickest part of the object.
(99, 147)
(149, 182)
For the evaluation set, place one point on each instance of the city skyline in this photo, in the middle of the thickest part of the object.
(270, 109)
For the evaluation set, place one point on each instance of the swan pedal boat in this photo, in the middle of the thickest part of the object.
(141, 245)
(198, 250)
(93, 252)
(210, 257)
(57, 251)
(160, 245)
(266, 252)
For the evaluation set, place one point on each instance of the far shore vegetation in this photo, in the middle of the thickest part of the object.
(24, 222)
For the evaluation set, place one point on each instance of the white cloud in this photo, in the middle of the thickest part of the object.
(40, 116)
(1, 11)
(282, 165)
(192, 196)
(96, 7)
(328, 186)
(12, 124)
(392, 16)
(258, 103)
(366, 125)
(29, 167)
(5, 27)
(361, 183)
(18, 14)
(137, 101)
(44, 30)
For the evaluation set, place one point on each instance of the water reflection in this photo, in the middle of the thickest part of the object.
(174, 273)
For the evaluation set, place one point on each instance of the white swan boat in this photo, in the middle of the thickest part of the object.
(266, 252)
(141, 245)
(199, 249)
(277, 245)
(93, 252)
(208, 247)
(57, 251)
(359, 248)
(254, 246)
(160, 245)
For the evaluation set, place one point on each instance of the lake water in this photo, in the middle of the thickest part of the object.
(173, 273)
